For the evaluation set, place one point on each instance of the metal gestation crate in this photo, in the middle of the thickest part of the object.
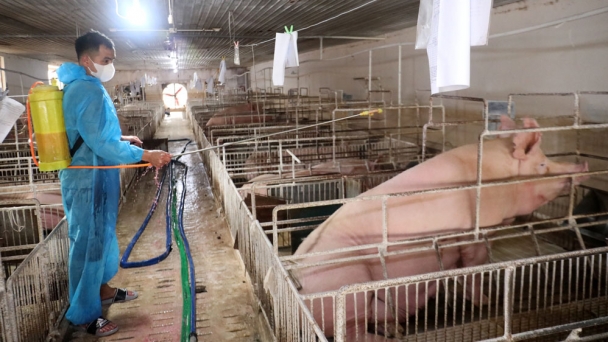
(318, 126)
(293, 107)
(144, 119)
(37, 293)
(136, 120)
(33, 252)
(531, 296)
(257, 255)
(261, 198)
(249, 159)
(24, 224)
(232, 134)
(256, 252)
(547, 298)
(549, 286)
(536, 288)
(17, 167)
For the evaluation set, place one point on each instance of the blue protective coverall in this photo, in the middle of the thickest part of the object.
(90, 196)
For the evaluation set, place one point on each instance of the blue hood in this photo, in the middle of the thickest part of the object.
(70, 72)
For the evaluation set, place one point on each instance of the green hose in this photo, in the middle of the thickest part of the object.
(185, 335)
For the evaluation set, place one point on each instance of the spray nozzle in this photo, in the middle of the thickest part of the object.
(371, 112)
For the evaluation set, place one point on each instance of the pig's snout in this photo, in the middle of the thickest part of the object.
(584, 167)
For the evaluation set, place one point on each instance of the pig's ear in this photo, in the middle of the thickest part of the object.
(523, 143)
(506, 123)
(530, 123)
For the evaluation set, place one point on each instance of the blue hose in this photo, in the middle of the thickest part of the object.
(172, 192)
(124, 261)
(184, 150)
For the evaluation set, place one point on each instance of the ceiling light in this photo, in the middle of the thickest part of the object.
(136, 14)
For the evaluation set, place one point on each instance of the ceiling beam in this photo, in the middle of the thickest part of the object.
(11, 21)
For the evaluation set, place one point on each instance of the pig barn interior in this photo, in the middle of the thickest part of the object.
(238, 238)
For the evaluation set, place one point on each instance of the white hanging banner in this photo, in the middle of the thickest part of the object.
(285, 56)
(423, 27)
(222, 77)
(10, 111)
(210, 85)
(480, 21)
(455, 26)
(237, 57)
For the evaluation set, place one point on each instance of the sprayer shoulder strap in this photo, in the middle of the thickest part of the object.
(76, 146)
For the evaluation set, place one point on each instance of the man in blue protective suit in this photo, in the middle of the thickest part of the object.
(90, 196)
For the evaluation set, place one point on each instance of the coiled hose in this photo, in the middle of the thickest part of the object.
(174, 222)
(124, 261)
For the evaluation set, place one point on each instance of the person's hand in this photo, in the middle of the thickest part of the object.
(132, 139)
(157, 158)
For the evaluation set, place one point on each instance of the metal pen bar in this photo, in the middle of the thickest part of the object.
(363, 113)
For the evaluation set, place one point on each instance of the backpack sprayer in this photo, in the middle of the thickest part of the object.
(45, 108)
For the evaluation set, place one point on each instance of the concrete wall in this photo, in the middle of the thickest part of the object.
(168, 76)
(563, 58)
(567, 57)
(38, 69)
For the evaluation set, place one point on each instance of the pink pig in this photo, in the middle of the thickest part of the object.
(360, 223)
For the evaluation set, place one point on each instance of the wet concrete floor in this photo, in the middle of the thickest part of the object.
(224, 311)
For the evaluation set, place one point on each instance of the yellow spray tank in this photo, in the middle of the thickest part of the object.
(46, 110)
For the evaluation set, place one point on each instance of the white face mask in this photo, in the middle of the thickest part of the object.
(104, 72)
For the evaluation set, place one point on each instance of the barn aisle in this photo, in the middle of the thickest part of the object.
(224, 311)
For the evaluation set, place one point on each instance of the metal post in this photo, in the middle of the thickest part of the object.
(369, 89)
(321, 47)
(399, 95)
(280, 158)
(255, 78)
(508, 303)
(340, 321)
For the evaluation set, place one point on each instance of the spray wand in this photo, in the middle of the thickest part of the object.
(364, 113)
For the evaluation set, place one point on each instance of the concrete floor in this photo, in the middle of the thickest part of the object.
(224, 312)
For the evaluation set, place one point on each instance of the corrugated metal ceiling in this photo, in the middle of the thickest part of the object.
(46, 29)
